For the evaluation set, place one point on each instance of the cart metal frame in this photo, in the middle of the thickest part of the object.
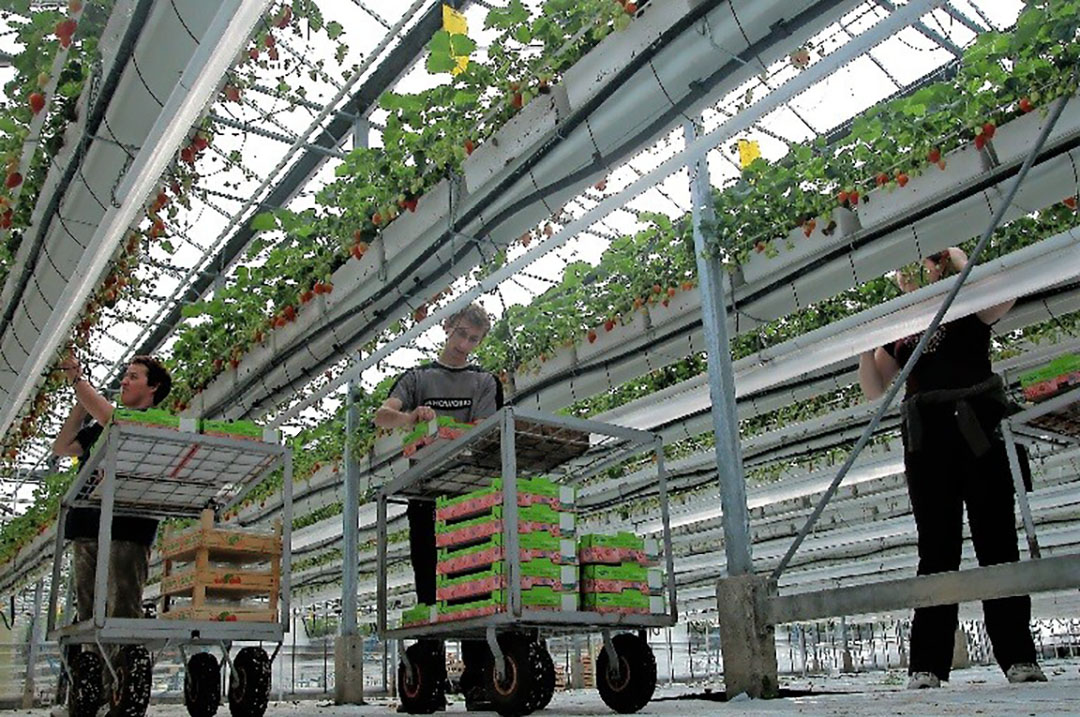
(151, 471)
(445, 468)
(1020, 425)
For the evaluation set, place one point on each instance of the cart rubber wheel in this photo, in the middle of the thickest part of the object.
(249, 683)
(636, 683)
(131, 693)
(202, 685)
(85, 692)
(514, 695)
(544, 668)
(425, 692)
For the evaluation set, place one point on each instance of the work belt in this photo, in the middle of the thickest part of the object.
(990, 392)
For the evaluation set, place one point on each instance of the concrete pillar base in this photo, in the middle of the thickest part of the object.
(349, 670)
(960, 657)
(748, 644)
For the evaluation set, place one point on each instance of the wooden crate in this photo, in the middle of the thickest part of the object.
(218, 566)
(222, 613)
(219, 582)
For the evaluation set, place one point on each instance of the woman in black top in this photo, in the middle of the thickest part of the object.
(954, 456)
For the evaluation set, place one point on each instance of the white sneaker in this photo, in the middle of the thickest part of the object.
(1025, 672)
(923, 680)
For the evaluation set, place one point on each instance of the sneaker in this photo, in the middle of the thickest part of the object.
(923, 680)
(1025, 672)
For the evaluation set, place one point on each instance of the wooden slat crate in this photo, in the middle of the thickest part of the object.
(204, 548)
(221, 613)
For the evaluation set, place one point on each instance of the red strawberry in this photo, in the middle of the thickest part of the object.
(601, 185)
(376, 219)
(289, 312)
(759, 247)
(853, 197)
(980, 141)
(517, 102)
(420, 314)
(469, 146)
(592, 335)
(1025, 105)
(285, 17)
(359, 249)
(671, 291)
(609, 325)
(187, 155)
(37, 102)
(232, 93)
(988, 130)
(199, 142)
(882, 179)
(1070, 202)
(656, 288)
(901, 178)
(307, 296)
(631, 8)
(269, 40)
(933, 156)
(13, 180)
(253, 53)
(842, 197)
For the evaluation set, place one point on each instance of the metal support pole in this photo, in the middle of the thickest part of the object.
(350, 529)
(104, 542)
(735, 517)
(33, 648)
(510, 517)
(1020, 489)
(909, 366)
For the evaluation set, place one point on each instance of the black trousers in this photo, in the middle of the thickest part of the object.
(942, 478)
(424, 556)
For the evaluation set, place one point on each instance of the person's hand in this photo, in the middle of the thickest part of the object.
(423, 413)
(71, 368)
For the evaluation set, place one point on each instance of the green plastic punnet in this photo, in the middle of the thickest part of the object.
(239, 429)
(537, 568)
(626, 599)
(421, 614)
(625, 571)
(150, 417)
(619, 540)
(539, 513)
(1062, 365)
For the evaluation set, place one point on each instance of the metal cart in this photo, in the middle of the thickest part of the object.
(515, 443)
(1054, 422)
(161, 472)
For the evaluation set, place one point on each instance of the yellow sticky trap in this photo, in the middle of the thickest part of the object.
(749, 150)
(455, 23)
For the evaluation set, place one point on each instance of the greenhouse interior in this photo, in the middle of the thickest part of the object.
(525, 356)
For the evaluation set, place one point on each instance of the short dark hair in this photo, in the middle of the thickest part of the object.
(473, 314)
(156, 375)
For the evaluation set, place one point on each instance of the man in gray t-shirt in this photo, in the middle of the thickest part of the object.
(449, 386)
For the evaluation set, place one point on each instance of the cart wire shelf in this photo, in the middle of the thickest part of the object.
(170, 472)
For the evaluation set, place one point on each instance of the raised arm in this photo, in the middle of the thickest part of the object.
(877, 369)
(88, 402)
(391, 415)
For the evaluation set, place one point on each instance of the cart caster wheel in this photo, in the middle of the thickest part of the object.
(424, 693)
(249, 683)
(545, 675)
(634, 686)
(85, 693)
(131, 693)
(516, 693)
(202, 685)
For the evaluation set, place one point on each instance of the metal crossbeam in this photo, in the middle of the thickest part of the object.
(997, 581)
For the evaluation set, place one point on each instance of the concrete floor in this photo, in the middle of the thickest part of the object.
(974, 691)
